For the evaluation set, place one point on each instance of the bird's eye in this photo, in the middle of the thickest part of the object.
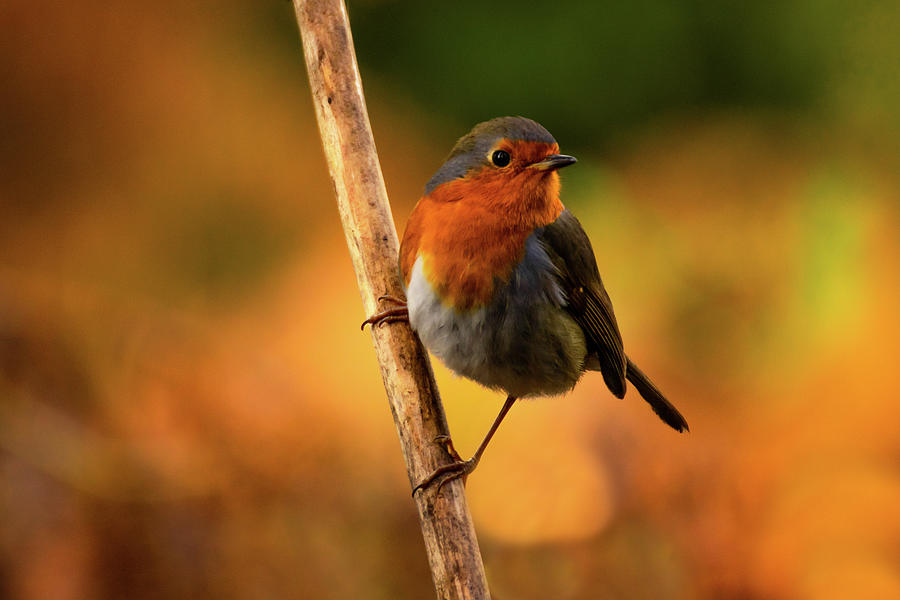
(500, 158)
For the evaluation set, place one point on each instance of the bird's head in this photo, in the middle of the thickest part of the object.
(506, 164)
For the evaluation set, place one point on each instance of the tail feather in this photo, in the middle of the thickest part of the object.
(649, 392)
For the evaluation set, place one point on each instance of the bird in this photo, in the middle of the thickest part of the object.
(501, 281)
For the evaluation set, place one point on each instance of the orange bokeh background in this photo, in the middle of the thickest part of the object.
(188, 408)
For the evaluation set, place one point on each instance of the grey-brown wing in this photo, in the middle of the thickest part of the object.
(570, 250)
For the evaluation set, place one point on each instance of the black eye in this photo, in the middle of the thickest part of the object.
(500, 158)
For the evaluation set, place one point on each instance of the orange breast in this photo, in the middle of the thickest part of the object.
(471, 232)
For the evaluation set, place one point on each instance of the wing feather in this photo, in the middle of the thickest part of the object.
(588, 303)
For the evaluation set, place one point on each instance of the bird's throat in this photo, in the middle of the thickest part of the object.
(472, 239)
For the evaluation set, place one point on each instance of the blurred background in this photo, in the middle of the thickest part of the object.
(189, 410)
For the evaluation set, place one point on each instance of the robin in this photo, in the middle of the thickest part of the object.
(501, 280)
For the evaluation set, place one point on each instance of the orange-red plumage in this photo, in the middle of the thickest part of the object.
(471, 232)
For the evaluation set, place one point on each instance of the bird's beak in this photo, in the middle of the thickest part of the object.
(553, 162)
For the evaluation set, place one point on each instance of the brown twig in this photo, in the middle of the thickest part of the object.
(369, 228)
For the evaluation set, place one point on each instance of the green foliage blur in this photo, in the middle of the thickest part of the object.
(595, 71)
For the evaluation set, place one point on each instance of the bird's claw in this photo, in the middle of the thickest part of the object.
(398, 313)
(392, 299)
(447, 443)
(447, 473)
(388, 316)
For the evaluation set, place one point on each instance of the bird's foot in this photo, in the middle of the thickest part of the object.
(398, 313)
(447, 443)
(447, 473)
(392, 299)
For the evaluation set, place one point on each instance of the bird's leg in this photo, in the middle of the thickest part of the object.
(462, 468)
(398, 313)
